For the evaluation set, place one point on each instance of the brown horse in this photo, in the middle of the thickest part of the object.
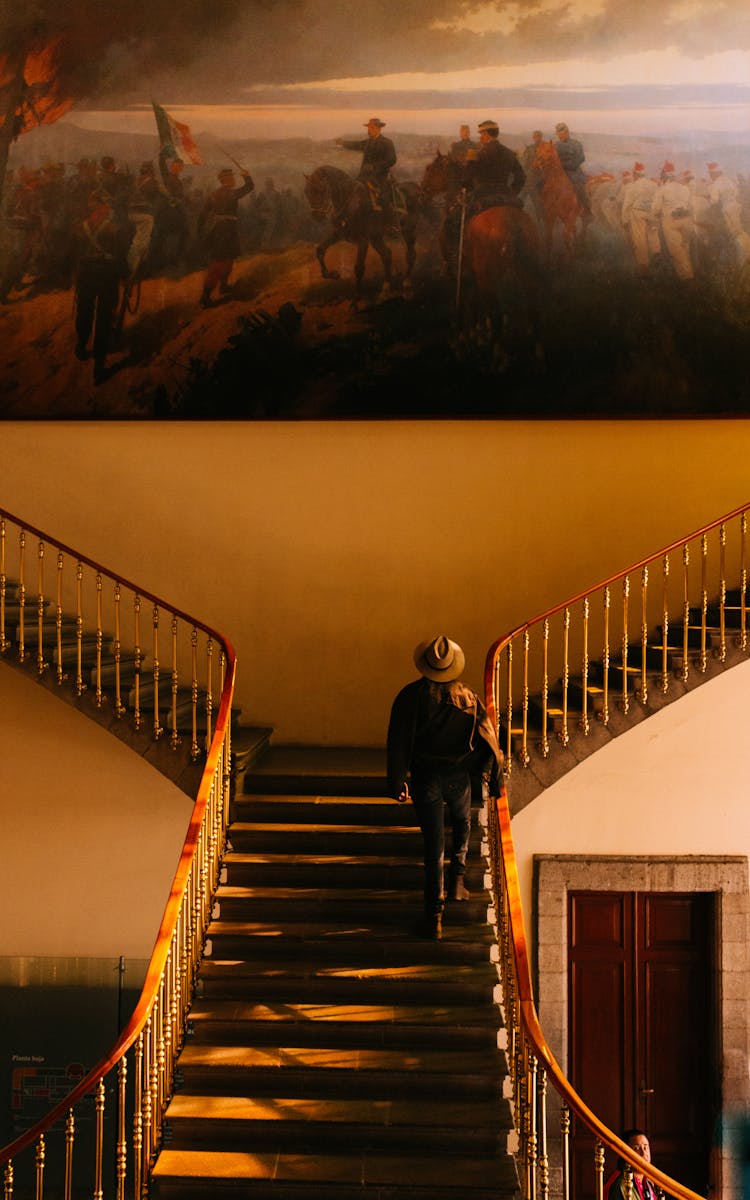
(347, 204)
(559, 199)
(501, 268)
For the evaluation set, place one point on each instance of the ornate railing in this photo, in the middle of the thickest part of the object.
(696, 615)
(534, 1072)
(649, 628)
(76, 625)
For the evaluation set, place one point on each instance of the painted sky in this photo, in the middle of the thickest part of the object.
(315, 67)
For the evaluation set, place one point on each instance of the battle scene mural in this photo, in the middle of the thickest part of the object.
(258, 210)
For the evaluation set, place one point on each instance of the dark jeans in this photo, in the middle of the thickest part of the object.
(430, 790)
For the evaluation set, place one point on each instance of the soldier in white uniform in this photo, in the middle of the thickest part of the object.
(724, 194)
(637, 219)
(672, 205)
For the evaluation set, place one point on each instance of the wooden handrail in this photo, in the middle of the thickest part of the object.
(533, 1029)
(160, 952)
(529, 1020)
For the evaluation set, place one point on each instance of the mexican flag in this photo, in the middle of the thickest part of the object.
(175, 137)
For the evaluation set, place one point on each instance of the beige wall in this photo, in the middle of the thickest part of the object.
(91, 833)
(330, 549)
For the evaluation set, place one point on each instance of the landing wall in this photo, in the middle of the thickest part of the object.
(326, 551)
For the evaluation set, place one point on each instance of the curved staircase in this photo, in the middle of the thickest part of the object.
(331, 1052)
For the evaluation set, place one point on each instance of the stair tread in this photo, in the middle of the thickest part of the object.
(341, 931)
(428, 972)
(416, 1015)
(365, 1167)
(344, 1058)
(313, 895)
(293, 828)
(184, 1106)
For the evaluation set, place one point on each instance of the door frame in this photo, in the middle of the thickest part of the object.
(725, 876)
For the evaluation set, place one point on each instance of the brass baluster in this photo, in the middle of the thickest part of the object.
(99, 640)
(59, 618)
(119, 706)
(723, 594)
(40, 1157)
(138, 656)
(509, 711)
(174, 740)
(604, 714)
(533, 1145)
(4, 643)
(79, 629)
(665, 626)
(525, 757)
(585, 726)
(565, 1138)
(21, 596)
(194, 747)
(630, 1192)
(209, 692)
(161, 1059)
(8, 1181)
(564, 735)
(543, 1153)
(685, 613)
(70, 1133)
(544, 747)
(146, 1097)
(138, 1173)
(99, 1150)
(40, 663)
(625, 701)
(157, 728)
(121, 1152)
(599, 1169)
(743, 582)
(643, 690)
(703, 660)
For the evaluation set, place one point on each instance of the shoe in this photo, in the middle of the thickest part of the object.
(457, 889)
(431, 926)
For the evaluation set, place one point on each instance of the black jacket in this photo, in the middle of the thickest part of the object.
(441, 734)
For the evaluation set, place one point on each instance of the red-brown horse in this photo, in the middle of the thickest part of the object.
(501, 248)
(503, 259)
(558, 196)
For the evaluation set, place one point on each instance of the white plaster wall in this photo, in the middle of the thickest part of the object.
(677, 783)
(327, 550)
(90, 833)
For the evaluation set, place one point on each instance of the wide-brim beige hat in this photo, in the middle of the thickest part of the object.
(440, 659)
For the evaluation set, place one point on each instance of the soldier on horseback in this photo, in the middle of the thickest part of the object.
(493, 178)
(378, 157)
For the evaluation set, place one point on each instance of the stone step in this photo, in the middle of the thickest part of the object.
(309, 1125)
(354, 839)
(338, 870)
(317, 905)
(228, 939)
(316, 770)
(323, 810)
(393, 945)
(436, 1024)
(357, 1175)
(338, 989)
(344, 1071)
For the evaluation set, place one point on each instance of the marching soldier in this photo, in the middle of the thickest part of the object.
(672, 205)
(724, 196)
(219, 223)
(637, 220)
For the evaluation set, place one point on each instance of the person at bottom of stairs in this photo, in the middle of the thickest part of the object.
(440, 739)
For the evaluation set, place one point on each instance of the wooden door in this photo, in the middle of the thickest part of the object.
(642, 1025)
